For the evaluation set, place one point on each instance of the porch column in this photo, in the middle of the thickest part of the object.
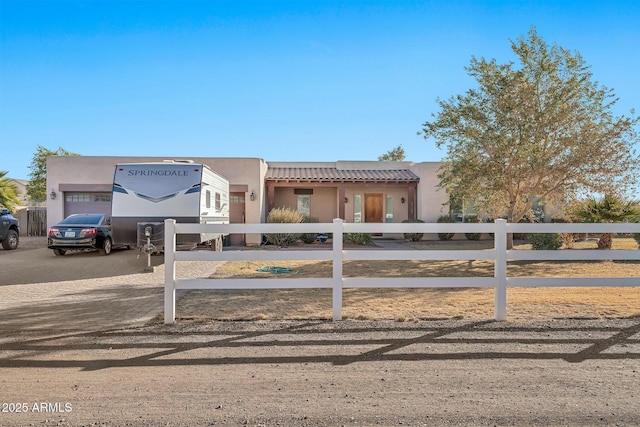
(341, 208)
(411, 202)
(271, 196)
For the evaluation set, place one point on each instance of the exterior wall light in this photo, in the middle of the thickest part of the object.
(346, 200)
(52, 195)
(402, 200)
(252, 196)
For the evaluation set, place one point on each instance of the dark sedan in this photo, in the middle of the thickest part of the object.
(81, 232)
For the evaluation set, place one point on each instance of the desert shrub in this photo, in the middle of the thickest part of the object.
(637, 237)
(309, 237)
(545, 241)
(472, 219)
(283, 216)
(358, 238)
(449, 220)
(414, 237)
(568, 239)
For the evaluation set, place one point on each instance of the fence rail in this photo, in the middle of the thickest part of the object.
(338, 254)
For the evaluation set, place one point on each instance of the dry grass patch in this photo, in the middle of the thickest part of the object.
(420, 304)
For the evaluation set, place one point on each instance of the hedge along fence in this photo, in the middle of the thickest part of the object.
(338, 254)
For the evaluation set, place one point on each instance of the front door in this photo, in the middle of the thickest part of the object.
(236, 216)
(373, 208)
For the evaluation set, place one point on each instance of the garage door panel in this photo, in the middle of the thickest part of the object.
(87, 202)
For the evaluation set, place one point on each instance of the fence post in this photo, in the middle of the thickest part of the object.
(169, 271)
(337, 268)
(500, 270)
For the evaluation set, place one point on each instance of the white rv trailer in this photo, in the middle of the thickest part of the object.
(145, 194)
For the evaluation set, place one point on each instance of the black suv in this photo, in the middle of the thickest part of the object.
(9, 230)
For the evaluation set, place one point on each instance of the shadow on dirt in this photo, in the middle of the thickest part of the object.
(340, 343)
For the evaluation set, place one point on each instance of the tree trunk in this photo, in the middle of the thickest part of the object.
(606, 241)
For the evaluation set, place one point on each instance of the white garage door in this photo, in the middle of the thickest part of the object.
(75, 203)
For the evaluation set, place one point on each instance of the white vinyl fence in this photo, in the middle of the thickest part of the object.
(499, 254)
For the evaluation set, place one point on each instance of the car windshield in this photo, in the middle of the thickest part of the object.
(83, 219)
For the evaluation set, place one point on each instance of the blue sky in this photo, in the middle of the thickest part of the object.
(278, 80)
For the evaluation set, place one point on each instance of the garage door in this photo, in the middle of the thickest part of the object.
(236, 216)
(75, 203)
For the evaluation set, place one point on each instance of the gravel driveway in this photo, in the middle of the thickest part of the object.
(71, 355)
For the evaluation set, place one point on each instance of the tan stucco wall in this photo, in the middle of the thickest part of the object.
(324, 202)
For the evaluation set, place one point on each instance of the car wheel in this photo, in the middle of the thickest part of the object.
(106, 246)
(59, 252)
(11, 242)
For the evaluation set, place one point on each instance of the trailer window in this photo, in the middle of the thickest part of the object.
(218, 207)
(208, 199)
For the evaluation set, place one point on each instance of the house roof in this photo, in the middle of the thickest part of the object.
(331, 174)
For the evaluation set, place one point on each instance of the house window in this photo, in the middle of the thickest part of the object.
(357, 208)
(388, 217)
(459, 209)
(537, 205)
(304, 205)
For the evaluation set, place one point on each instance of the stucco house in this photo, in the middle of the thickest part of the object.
(356, 191)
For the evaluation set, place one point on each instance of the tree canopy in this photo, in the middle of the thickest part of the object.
(37, 186)
(610, 208)
(395, 154)
(8, 192)
(539, 129)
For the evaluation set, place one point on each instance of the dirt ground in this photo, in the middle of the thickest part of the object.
(452, 372)
(319, 373)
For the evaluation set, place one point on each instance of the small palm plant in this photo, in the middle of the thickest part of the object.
(8, 192)
(609, 209)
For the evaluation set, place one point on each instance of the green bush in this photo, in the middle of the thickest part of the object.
(358, 238)
(445, 219)
(309, 237)
(472, 219)
(414, 237)
(283, 216)
(545, 241)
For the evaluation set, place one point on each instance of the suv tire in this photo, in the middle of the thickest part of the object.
(11, 241)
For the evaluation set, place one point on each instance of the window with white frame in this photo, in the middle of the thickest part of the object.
(357, 208)
(304, 204)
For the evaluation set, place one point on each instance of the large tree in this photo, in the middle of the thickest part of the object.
(395, 154)
(8, 192)
(538, 129)
(37, 186)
